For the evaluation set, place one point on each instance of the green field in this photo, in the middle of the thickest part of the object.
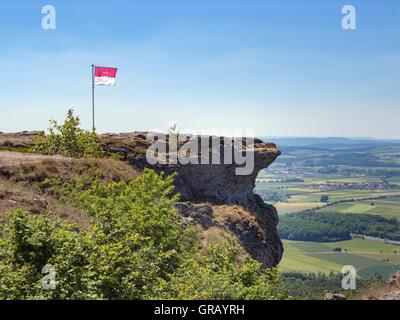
(288, 207)
(367, 256)
(388, 208)
(301, 176)
(294, 259)
(340, 195)
(364, 246)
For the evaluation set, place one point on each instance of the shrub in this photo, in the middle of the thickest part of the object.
(227, 273)
(135, 248)
(68, 139)
(133, 244)
(33, 242)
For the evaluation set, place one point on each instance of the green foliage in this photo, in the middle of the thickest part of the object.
(134, 248)
(314, 286)
(68, 139)
(328, 227)
(33, 242)
(131, 246)
(226, 272)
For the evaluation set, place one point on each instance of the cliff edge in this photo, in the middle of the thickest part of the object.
(215, 192)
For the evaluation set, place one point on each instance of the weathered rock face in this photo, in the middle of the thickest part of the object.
(201, 182)
(202, 213)
(216, 184)
(260, 239)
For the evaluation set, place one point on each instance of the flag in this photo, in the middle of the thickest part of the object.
(105, 76)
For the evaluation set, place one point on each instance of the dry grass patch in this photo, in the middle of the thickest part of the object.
(20, 181)
(375, 292)
(228, 213)
(26, 197)
(65, 168)
(211, 236)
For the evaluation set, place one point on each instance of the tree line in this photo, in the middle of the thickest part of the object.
(331, 227)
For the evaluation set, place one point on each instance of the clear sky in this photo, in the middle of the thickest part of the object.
(282, 68)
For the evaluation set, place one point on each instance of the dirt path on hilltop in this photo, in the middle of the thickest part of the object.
(10, 159)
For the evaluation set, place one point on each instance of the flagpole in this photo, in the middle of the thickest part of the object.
(94, 128)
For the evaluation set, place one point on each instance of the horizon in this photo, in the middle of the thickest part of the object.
(257, 136)
(281, 68)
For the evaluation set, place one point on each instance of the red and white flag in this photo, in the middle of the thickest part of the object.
(105, 76)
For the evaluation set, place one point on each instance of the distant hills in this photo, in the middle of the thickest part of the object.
(333, 143)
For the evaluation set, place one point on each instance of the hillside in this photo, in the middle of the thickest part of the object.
(212, 196)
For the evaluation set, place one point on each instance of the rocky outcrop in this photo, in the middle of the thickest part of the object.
(198, 184)
(245, 227)
(205, 182)
(216, 184)
(201, 214)
(258, 237)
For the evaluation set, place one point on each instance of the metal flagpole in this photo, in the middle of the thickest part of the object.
(94, 128)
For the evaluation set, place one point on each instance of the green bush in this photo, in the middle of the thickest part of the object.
(136, 247)
(68, 139)
(225, 273)
(31, 242)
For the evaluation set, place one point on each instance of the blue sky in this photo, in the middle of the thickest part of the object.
(282, 68)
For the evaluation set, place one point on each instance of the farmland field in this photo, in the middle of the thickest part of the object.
(336, 179)
(365, 255)
(287, 207)
(388, 208)
(294, 259)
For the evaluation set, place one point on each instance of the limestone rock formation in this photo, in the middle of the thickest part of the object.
(216, 184)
